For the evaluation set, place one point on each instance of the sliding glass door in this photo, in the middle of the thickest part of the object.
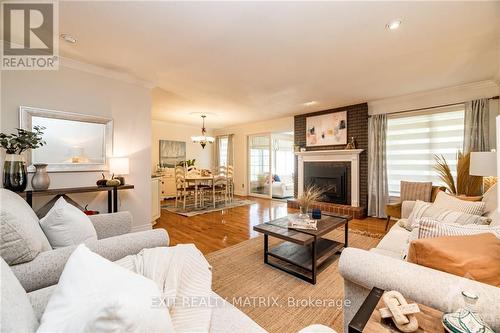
(259, 162)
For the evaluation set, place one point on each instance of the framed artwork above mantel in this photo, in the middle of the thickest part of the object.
(327, 129)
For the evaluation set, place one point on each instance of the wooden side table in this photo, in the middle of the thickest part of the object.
(368, 320)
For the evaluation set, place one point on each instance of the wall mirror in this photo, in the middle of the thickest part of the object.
(75, 142)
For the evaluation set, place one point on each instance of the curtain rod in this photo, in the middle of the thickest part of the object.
(435, 107)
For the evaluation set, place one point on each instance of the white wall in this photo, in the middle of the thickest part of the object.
(80, 91)
(241, 133)
(162, 130)
(450, 95)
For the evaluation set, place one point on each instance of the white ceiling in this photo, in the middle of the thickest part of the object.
(250, 61)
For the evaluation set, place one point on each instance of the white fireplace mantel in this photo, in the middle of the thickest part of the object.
(344, 155)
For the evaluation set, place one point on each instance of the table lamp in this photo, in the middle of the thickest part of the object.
(119, 166)
(484, 164)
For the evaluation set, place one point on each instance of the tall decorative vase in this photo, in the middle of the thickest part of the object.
(40, 180)
(15, 176)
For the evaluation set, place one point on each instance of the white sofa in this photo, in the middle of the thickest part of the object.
(383, 267)
(282, 190)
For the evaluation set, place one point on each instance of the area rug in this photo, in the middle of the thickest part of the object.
(188, 212)
(277, 301)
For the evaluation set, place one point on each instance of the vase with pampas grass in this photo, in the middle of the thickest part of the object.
(465, 184)
(311, 194)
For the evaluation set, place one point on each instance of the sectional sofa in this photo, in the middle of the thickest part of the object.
(385, 268)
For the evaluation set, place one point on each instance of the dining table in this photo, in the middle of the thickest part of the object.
(197, 180)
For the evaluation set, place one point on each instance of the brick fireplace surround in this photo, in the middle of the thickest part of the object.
(357, 127)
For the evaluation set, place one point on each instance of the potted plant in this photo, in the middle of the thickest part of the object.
(14, 170)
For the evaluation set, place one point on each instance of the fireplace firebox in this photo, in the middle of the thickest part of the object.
(331, 178)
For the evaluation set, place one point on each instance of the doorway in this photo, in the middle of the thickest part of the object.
(271, 165)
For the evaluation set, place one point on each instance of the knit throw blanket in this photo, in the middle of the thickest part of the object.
(185, 279)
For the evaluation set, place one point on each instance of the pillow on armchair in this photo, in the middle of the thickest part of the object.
(65, 225)
(22, 239)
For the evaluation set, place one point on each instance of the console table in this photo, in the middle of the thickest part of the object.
(58, 192)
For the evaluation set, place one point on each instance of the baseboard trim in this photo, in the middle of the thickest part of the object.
(241, 193)
(142, 227)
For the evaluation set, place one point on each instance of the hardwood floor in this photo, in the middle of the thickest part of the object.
(217, 230)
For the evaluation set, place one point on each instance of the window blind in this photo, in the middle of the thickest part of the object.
(414, 138)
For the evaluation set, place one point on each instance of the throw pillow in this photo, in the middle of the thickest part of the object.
(426, 209)
(490, 199)
(66, 225)
(429, 228)
(412, 191)
(97, 295)
(404, 223)
(495, 218)
(453, 255)
(22, 239)
(17, 314)
(451, 202)
(277, 178)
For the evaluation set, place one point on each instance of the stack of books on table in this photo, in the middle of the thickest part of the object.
(301, 223)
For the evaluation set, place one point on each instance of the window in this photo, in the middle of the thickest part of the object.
(223, 143)
(414, 138)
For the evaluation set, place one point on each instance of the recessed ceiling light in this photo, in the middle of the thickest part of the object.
(68, 38)
(310, 103)
(394, 24)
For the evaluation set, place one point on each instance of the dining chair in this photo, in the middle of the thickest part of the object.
(190, 171)
(219, 185)
(183, 189)
(230, 182)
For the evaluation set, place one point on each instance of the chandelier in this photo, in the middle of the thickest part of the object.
(203, 139)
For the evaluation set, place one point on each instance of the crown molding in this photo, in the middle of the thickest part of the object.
(431, 98)
(109, 73)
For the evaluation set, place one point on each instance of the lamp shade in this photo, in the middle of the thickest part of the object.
(483, 163)
(119, 165)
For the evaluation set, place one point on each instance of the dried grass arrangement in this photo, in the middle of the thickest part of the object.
(311, 194)
(465, 184)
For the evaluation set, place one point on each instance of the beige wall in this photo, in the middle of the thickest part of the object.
(72, 90)
(167, 131)
(240, 145)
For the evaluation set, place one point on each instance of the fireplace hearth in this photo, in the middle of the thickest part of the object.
(332, 178)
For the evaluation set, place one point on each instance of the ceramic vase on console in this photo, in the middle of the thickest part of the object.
(41, 179)
(15, 176)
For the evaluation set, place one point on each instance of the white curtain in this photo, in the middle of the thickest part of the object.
(224, 147)
(476, 125)
(377, 165)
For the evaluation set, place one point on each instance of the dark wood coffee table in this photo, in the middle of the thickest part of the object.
(304, 249)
